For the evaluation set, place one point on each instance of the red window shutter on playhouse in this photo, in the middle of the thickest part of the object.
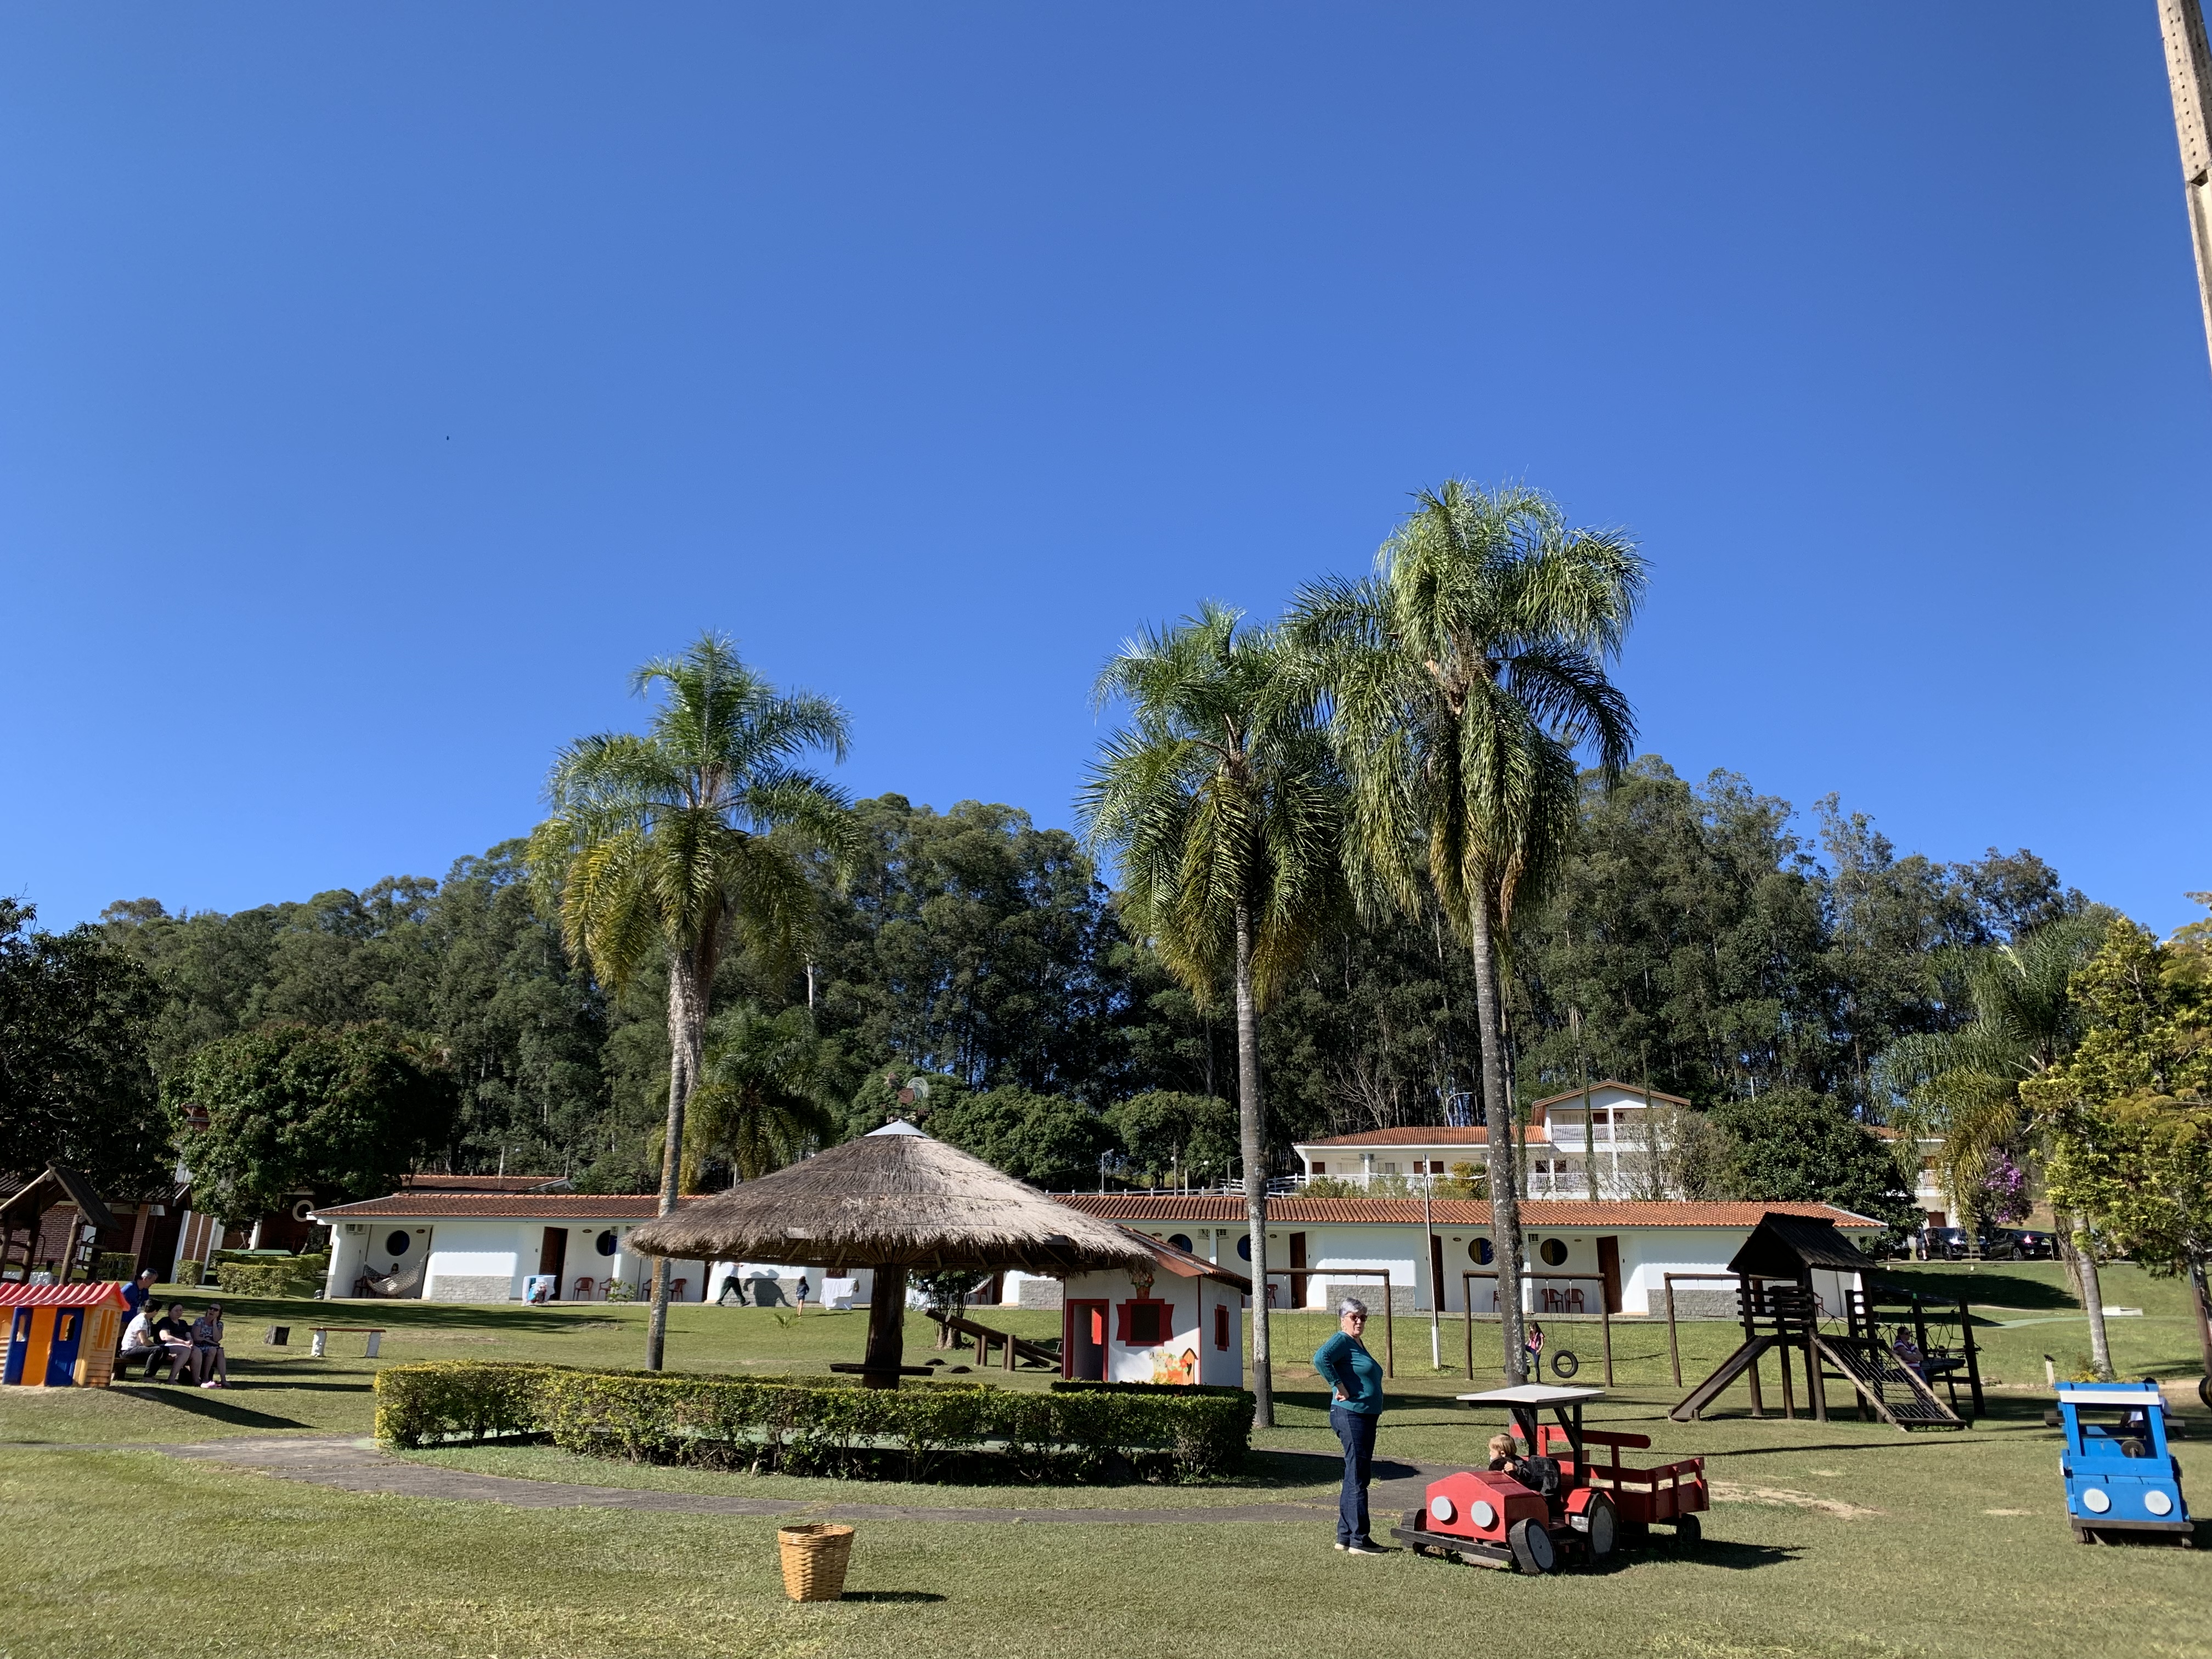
(1141, 1322)
(1221, 1328)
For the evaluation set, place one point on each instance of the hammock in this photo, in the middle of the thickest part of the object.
(398, 1284)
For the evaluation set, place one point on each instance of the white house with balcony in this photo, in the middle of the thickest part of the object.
(1603, 1142)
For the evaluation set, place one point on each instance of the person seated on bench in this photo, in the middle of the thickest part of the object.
(1908, 1353)
(174, 1333)
(210, 1365)
(138, 1343)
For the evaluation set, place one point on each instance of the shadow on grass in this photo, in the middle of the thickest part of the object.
(891, 1596)
(1987, 1288)
(1737, 1558)
(199, 1403)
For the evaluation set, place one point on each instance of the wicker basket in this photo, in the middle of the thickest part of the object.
(814, 1561)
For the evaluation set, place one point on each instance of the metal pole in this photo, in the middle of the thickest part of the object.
(1436, 1284)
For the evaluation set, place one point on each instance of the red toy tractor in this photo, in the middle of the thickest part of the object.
(1554, 1504)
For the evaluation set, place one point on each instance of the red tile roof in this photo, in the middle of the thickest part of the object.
(1538, 1213)
(553, 1206)
(479, 1183)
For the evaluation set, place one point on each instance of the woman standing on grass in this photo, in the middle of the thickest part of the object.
(1355, 1404)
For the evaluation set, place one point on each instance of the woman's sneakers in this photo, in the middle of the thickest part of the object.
(1362, 1547)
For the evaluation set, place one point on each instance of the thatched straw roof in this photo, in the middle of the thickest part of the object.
(896, 1198)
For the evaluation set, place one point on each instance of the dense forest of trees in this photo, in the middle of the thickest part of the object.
(972, 968)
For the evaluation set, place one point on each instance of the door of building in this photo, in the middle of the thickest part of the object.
(1085, 1341)
(1437, 1290)
(19, 1346)
(553, 1256)
(1608, 1266)
(61, 1355)
(1297, 1279)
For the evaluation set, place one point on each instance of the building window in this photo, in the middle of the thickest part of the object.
(1320, 1168)
(1244, 1246)
(1389, 1169)
(1144, 1324)
(1553, 1253)
(396, 1245)
(1180, 1241)
(605, 1242)
(1480, 1251)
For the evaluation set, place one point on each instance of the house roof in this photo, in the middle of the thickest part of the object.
(1184, 1264)
(1635, 1089)
(485, 1183)
(109, 1294)
(521, 1206)
(1538, 1214)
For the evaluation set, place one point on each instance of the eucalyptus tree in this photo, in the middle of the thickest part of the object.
(1460, 679)
(1224, 808)
(1963, 1085)
(764, 1091)
(672, 844)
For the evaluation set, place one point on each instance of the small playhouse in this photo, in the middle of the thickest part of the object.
(62, 1336)
(1173, 1320)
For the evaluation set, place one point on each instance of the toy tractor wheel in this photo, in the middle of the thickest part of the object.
(1687, 1531)
(1604, 1526)
(1532, 1548)
(2205, 1392)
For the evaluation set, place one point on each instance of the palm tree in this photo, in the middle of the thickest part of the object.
(762, 1094)
(671, 843)
(1460, 677)
(1225, 810)
(1963, 1085)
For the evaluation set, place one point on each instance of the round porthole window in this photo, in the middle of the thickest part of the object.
(396, 1245)
(1480, 1251)
(1554, 1253)
(1244, 1246)
(605, 1242)
(1180, 1241)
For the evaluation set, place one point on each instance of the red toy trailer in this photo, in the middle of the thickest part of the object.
(1547, 1507)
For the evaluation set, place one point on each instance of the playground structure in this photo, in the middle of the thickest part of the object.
(1554, 1504)
(1571, 1310)
(61, 1336)
(1014, 1351)
(1782, 1312)
(2120, 1477)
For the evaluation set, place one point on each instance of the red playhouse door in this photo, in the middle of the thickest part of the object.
(61, 1355)
(1085, 1341)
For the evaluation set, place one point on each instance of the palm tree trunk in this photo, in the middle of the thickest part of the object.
(2092, 1300)
(1497, 1117)
(687, 1048)
(1251, 1128)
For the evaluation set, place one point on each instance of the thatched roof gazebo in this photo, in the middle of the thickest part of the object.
(895, 1201)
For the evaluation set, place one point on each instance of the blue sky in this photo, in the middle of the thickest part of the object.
(379, 385)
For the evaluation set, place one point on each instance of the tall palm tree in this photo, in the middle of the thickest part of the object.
(1224, 808)
(1964, 1086)
(762, 1094)
(673, 843)
(1460, 679)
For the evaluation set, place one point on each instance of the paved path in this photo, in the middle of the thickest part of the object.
(352, 1465)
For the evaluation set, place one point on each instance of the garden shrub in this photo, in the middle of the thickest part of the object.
(294, 1276)
(115, 1264)
(818, 1426)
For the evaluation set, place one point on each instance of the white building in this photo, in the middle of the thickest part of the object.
(1178, 1321)
(1620, 1130)
(1320, 1249)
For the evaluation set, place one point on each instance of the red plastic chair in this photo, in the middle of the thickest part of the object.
(583, 1290)
(676, 1290)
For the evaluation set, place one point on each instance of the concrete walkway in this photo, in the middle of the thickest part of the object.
(350, 1465)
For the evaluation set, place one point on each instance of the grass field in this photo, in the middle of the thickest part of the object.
(1846, 1539)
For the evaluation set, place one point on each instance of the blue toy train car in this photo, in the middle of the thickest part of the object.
(2120, 1478)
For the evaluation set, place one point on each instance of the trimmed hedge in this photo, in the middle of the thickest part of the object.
(814, 1426)
(294, 1276)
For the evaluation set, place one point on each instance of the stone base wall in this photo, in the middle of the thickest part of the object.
(1042, 1293)
(1697, 1302)
(471, 1287)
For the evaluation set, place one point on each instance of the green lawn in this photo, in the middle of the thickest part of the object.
(1846, 1539)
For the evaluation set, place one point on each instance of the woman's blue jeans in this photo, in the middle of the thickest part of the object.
(1355, 1433)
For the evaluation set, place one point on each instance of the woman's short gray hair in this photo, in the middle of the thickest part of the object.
(1350, 1305)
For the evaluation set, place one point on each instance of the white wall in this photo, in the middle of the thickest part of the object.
(1191, 1344)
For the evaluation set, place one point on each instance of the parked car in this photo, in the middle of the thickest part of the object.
(2018, 1244)
(1945, 1243)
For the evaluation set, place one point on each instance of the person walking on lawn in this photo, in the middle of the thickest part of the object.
(1355, 1380)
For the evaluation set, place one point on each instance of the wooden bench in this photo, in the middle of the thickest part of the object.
(323, 1332)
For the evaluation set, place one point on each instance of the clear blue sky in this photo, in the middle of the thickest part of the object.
(379, 385)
